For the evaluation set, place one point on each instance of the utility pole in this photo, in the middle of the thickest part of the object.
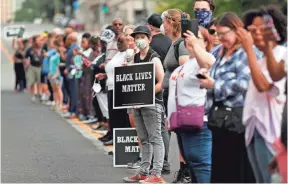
(101, 13)
(145, 13)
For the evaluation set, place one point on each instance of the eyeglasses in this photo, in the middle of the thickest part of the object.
(221, 34)
(212, 31)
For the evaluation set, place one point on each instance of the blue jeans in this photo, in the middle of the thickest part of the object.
(73, 94)
(196, 148)
(259, 157)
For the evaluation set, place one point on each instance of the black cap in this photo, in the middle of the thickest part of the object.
(141, 29)
(154, 20)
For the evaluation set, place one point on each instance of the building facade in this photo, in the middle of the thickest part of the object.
(6, 7)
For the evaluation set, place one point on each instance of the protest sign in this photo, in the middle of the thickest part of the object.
(126, 147)
(134, 85)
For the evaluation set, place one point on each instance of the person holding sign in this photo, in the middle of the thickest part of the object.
(118, 118)
(148, 119)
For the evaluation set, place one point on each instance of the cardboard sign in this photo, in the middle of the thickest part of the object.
(11, 31)
(134, 86)
(126, 147)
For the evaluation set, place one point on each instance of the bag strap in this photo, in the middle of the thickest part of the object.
(176, 48)
(176, 90)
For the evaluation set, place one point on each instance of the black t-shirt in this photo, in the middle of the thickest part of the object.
(161, 43)
(18, 55)
(34, 57)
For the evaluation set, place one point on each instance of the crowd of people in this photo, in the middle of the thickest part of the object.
(230, 79)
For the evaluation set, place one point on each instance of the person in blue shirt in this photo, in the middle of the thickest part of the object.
(46, 85)
(71, 44)
(55, 77)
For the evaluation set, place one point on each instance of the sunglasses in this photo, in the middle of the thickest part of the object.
(212, 31)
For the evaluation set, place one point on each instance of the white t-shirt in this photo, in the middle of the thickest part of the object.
(263, 110)
(116, 61)
(188, 87)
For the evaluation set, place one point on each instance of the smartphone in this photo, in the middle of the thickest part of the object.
(268, 20)
(200, 76)
(191, 25)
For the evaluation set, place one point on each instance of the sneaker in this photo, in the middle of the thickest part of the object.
(153, 179)
(105, 138)
(182, 176)
(90, 119)
(108, 143)
(134, 165)
(50, 103)
(134, 179)
(43, 97)
(69, 115)
(81, 117)
(101, 128)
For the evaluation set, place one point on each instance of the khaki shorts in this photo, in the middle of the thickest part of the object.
(33, 75)
(56, 81)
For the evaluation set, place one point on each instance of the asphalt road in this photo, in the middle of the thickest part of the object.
(37, 145)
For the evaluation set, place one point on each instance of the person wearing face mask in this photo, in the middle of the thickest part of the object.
(148, 119)
(203, 12)
(118, 118)
(161, 44)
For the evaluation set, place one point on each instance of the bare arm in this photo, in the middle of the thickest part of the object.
(14, 46)
(183, 59)
(204, 58)
(276, 70)
(258, 77)
(159, 74)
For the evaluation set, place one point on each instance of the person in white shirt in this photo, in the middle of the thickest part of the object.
(265, 98)
(195, 145)
(118, 118)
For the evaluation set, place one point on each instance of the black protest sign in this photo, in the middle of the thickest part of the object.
(126, 147)
(134, 85)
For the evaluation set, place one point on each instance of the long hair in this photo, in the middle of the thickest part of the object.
(174, 15)
(207, 38)
(234, 22)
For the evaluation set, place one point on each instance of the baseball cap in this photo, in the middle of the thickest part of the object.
(141, 29)
(154, 20)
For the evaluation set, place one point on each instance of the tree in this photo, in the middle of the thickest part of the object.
(237, 6)
(24, 14)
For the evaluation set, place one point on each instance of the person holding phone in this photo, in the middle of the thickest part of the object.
(227, 85)
(195, 146)
(265, 97)
(177, 55)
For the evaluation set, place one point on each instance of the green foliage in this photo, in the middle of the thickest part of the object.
(24, 14)
(237, 6)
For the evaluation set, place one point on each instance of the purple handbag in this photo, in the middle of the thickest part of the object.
(187, 117)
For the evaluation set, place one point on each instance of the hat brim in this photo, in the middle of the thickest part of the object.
(140, 32)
